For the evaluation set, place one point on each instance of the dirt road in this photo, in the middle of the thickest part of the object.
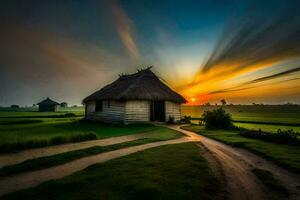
(14, 158)
(34, 178)
(232, 164)
(237, 164)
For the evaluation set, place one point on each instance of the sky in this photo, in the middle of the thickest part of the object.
(207, 50)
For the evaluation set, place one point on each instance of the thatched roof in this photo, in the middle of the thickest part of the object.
(48, 101)
(143, 85)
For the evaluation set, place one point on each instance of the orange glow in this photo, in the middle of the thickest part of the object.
(222, 76)
(197, 100)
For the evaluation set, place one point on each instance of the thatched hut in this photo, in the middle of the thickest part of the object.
(48, 105)
(139, 97)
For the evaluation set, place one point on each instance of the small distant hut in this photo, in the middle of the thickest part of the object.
(139, 97)
(48, 105)
(15, 106)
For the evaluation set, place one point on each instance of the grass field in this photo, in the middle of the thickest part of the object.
(21, 130)
(25, 128)
(167, 172)
(49, 161)
(268, 118)
(254, 113)
(266, 127)
(33, 112)
(287, 156)
(271, 128)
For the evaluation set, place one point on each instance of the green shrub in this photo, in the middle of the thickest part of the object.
(186, 119)
(171, 120)
(281, 137)
(69, 115)
(217, 119)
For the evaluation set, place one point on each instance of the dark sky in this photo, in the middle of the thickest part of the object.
(202, 48)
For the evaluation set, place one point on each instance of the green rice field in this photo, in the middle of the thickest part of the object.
(150, 174)
(31, 129)
(255, 113)
(32, 112)
(26, 128)
(268, 118)
(267, 127)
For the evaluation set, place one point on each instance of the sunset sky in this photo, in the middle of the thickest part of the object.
(207, 50)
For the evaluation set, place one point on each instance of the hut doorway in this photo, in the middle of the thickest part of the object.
(157, 111)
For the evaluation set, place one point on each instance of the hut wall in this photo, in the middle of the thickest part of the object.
(137, 111)
(112, 111)
(172, 110)
(90, 108)
(47, 108)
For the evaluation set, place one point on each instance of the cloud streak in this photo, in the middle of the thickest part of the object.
(274, 76)
(253, 41)
(124, 27)
(259, 80)
(265, 35)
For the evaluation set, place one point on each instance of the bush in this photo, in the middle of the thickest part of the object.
(217, 119)
(171, 120)
(15, 106)
(201, 122)
(186, 119)
(69, 115)
(281, 137)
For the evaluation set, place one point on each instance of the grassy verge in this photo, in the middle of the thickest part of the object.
(284, 155)
(36, 143)
(167, 172)
(270, 182)
(58, 159)
(49, 161)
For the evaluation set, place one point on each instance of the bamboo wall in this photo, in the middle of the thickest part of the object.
(112, 111)
(132, 111)
(172, 109)
(137, 111)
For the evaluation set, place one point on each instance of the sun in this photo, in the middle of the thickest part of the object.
(193, 99)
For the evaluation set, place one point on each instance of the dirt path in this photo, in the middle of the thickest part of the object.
(31, 179)
(14, 158)
(237, 165)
